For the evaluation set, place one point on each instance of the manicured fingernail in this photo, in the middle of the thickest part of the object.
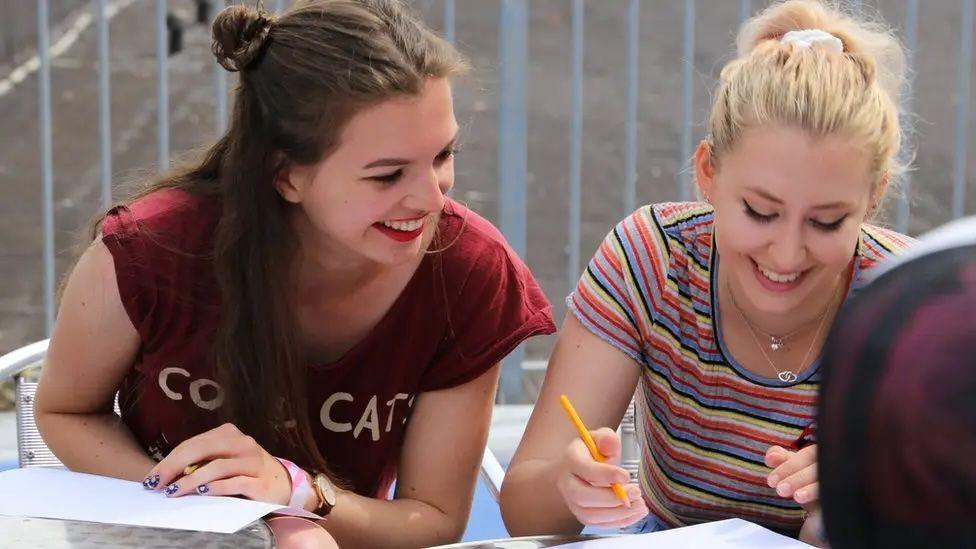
(203, 489)
(150, 482)
(800, 496)
(773, 480)
(172, 489)
(783, 489)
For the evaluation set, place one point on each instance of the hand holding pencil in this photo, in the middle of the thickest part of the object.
(597, 491)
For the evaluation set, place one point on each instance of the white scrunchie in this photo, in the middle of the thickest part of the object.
(809, 37)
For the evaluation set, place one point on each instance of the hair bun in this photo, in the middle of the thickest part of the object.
(872, 44)
(239, 34)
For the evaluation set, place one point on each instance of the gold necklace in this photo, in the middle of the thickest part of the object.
(786, 376)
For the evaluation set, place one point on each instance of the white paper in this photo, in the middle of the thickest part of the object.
(61, 494)
(724, 534)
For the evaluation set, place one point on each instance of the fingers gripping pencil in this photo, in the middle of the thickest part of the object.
(584, 434)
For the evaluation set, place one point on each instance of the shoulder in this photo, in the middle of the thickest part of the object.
(168, 217)
(688, 226)
(661, 232)
(466, 240)
(478, 268)
(682, 218)
(492, 301)
(161, 246)
(876, 247)
(961, 232)
(878, 244)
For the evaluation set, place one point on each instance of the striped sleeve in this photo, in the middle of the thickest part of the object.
(607, 299)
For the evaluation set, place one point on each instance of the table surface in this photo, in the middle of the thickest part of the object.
(62, 534)
(533, 542)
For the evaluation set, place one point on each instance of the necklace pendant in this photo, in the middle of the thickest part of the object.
(775, 343)
(787, 376)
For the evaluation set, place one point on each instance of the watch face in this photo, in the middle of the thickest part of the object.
(325, 485)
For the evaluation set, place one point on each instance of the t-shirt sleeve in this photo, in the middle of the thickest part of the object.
(156, 246)
(499, 306)
(134, 271)
(607, 299)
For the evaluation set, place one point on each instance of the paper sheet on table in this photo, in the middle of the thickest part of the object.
(724, 534)
(61, 494)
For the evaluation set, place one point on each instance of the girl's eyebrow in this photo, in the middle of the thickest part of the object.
(836, 205)
(383, 162)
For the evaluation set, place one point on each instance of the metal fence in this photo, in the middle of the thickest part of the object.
(512, 150)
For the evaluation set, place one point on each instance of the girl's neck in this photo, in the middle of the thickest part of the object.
(825, 301)
(323, 269)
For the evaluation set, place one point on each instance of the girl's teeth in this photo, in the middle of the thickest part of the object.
(777, 277)
(405, 226)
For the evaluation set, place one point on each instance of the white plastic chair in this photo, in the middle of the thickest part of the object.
(23, 365)
(630, 455)
(491, 473)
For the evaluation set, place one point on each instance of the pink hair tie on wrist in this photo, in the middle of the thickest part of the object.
(300, 488)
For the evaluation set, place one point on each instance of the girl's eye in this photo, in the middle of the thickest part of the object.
(387, 178)
(828, 227)
(447, 154)
(761, 218)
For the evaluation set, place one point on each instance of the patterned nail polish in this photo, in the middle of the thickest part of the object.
(203, 489)
(172, 489)
(150, 482)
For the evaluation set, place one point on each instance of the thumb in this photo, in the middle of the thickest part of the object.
(608, 443)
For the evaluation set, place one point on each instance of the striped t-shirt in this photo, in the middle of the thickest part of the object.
(706, 422)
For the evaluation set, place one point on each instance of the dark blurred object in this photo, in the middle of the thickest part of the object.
(204, 11)
(897, 414)
(174, 27)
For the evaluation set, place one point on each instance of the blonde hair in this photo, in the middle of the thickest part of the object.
(854, 93)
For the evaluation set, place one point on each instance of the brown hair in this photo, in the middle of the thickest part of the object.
(302, 76)
(853, 93)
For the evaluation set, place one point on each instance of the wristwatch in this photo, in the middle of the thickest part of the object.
(325, 491)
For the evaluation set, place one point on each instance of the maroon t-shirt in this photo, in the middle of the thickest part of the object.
(464, 309)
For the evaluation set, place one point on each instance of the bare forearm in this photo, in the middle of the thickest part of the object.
(358, 521)
(531, 504)
(94, 443)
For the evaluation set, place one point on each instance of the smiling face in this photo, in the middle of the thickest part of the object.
(788, 210)
(377, 196)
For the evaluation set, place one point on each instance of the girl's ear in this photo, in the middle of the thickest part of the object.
(878, 192)
(291, 182)
(704, 169)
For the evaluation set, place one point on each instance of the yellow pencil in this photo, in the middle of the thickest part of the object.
(584, 434)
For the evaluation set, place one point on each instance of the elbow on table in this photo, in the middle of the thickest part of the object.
(42, 420)
(516, 505)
